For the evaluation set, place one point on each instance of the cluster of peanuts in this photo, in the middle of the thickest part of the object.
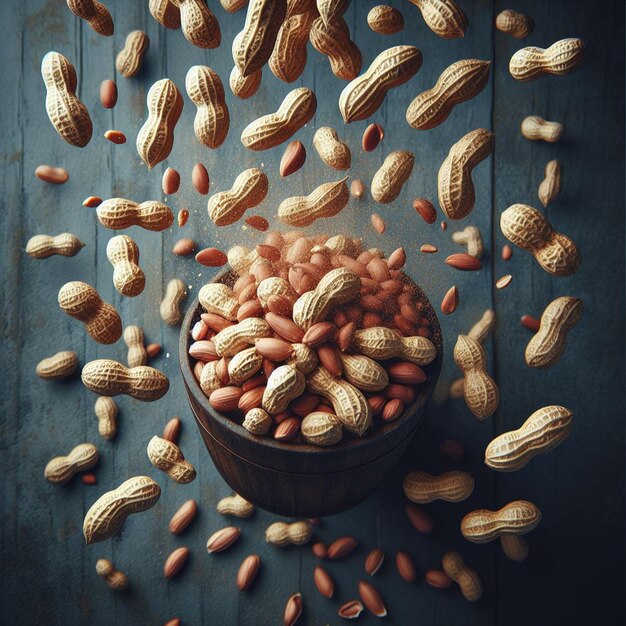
(316, 336)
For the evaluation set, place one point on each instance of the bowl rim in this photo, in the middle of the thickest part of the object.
(433, 370)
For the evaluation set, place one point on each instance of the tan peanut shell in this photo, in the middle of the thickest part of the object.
(385, 20)
(285, 384)
(82, 302)
(333, 40)
(363, 96)
(381, 343)
(325, 201)
(118, 581)
(560, 58)
(391, 176)
(175, 293)
(282, 534)
(481, 329)
(332, 151)
(350, 406)
(275, 286)
(547, 345)
(458, 83)
(235, 505)
(257, 421)
(515, 547)
(456, 191)
(94, 13)
(422, 488)
(444, 17)
(515, 24)
(106, 412)
(209, 380)
(204, 88)
(550, 186)
(516, 518)
(244, 365)
(165, 12)
(331, 10)
(536, 128)
(119, 213)
(465, 577)
(470, 236)
(240, 336)
(67, 113)
(364, 373)
(244, 87)
(130, 57)
(253, 46)
(62, 468)
(219, 299)
(321, 429)
(43, 246)
(232, 6)
(303, 358)
(289, 56)
(200, 27)
(297, 108)
(167, 457)
(479, 389)
(60, 365)
(299, 6)
(543, 431)
(247, 192)
(110, 378)
(109, 512)
(527, 228)
(134, 340)
(123, 254)
(156, 137)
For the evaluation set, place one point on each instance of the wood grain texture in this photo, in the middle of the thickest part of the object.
(574, 573)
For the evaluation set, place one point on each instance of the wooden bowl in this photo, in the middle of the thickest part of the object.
(302, 480)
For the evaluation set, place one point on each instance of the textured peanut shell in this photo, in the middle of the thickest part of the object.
(134, 339)
(550, 186)
(247, 192)
(527, 228)
(60, 365)
(200, 27)
(333, 40)
(455, 187)
(285, 384)
(167, 457)
(62, 468)
(458, 83)
(109, 512)
(380, 343)
(321, 429)
(281, 534)
(275, 286)
(235, 505)
(385, 20)
(331, 10)
(119, 213)
(43, 246)
(95, 14)
(244, 87)
(165, 12)
(332, 151)
(232, 6)
(66, 112)
(536, 128)
(130, 57)
(515, 24)
(239, 336)
(543, 431)
(418, 350)
(304, 358)
(244, 365)
(444, 17)
(271, 130)
(257, 421)
(325, 201)
(128, 277)
(204, 88)
(289, 56)
(391, 176)
(422, 488)
(363, 96)
(169, 309)
(465, 577)
(220, 299)
(548, 344)
(364, 373)
(516, 518)
(106, 412)
(560, 58)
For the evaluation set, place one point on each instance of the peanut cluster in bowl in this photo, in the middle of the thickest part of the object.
(316, 340)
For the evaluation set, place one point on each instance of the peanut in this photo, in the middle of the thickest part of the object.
(382, 343)
(233, 339)
(332, 151)
(118, 581)
(61, 365)
(337, 287)
(481, 329)
(303, 358)
(349, 405)
(200, 27)
(458, 83)
(550, 186)
(516, 518)
(457, 195)
(128, 277)
(129, 59)
(232, 6)
(321, 428)
(480, 391)
(206, 91)
(331, 10)
(118, 213)
(61, 469)
(297, 108)
(444, 17)
(470, 236)
(515, 24)
(332, 38)
(219, 299)
(52, 175)
(560, 58)
(530, 230)
(465, 577)
(106, 412)
(391, 176)
(385, 20)
(275, 286)
(82, 302)
(548, 345)
(109, 512)
(536, 128)
(253, 46)
(543, 431)
(244, 87)
(209, 380)
(175, 293)
(244, 365)
(133, 338)
(422, 488)
(156, 137)
(284, 384)
(248, 191)
(257, 421)
(289, 56)
(281, 534)
(364, 373)
(165, 12)
(67, 113)
(363, 96)
(235, 505)
(514, 547)
(167, 457)
(325, 201)
(110, 378)
(43, 246)
(94, 13)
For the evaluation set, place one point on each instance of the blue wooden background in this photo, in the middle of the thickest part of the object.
(575, 571)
